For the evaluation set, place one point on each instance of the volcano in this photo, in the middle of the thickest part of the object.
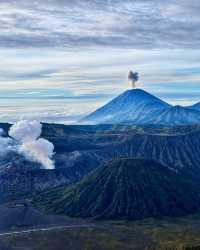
(135, 105)
(125, 189)
(138, 107)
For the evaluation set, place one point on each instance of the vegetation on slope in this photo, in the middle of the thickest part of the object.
(125, 189)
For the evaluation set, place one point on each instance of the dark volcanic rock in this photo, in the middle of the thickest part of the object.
(126, 189)
(22, 215)
(22, 178)
(175, 150)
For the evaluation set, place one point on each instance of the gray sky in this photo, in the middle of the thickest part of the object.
(80, 52)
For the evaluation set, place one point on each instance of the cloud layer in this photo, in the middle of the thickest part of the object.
(136, 24)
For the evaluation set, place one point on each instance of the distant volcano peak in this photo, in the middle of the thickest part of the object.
(138, 107)
(138, 92)
(131, 105)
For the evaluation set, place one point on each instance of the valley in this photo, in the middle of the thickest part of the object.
(151, 234)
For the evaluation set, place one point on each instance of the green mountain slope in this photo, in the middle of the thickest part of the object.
(125, 189)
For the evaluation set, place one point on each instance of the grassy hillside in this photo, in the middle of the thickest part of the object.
(125, 189)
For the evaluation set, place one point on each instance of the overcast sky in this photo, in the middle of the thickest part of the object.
(75, 55)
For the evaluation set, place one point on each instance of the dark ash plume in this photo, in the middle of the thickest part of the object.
(133, 77)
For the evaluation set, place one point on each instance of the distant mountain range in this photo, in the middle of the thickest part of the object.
(137, 106)
(125, 189)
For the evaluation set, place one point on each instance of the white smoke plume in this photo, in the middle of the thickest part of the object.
(26, 130)
(26, 134)
(6, 143)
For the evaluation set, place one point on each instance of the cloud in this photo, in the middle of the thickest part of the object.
(26, 135)
(85, 23)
